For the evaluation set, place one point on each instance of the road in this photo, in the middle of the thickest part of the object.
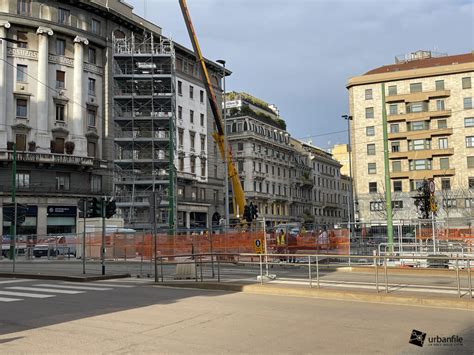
(125, 316)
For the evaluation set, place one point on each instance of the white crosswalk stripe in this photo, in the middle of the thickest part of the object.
(13, 281)
(47, 290)
(98, 284)
(24, 294)
(5, 299)
(85, 288)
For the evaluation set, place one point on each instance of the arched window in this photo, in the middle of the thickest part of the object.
(119, 34)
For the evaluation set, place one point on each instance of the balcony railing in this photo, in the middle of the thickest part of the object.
(34, 157)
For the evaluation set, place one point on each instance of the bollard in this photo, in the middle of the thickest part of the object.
(309, 271)
(457, 278)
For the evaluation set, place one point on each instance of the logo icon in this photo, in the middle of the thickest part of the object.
(417, 338)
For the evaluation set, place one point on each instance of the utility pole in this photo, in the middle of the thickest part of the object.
(350, 198)
(13, 223)
(84, 236)
(102, 204)
(388, 187)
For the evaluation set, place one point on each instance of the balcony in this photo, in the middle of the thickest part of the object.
(422, 174)
(417, 96)
(259, 175)
(422, 134)
(418, 116)
(49, 158)
(186, 176)
(421, 154)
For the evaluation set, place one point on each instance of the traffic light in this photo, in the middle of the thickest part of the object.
(110, 209)
(96, 207)
(247, 214)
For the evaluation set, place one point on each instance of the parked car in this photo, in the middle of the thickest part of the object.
(55, 246)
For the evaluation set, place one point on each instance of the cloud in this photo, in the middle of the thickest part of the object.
(299, 54)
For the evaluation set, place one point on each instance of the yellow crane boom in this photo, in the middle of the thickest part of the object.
(239, 196)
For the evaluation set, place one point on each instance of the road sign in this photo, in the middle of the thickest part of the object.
(432, 187)
(258, 246)
(433, 205)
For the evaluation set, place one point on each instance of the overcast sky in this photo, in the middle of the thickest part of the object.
(299, 54)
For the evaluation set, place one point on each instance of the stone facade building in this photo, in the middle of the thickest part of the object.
(429, 105)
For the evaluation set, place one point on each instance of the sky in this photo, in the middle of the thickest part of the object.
(299, 54)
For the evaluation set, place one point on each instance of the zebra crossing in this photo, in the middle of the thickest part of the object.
(17, 290)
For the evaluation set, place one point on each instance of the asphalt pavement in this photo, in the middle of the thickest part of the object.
(134, 315)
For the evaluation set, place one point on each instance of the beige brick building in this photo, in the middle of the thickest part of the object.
(430, 116)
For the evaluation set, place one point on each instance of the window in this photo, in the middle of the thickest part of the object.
(370, 149)
(469, 122)
(372, 187)
(60, 79)
(22, 108)
(468, 103)
(96, 183)
(180, 87)
(416, 87)
(191, 92)
(60, 112)
(439, 85)
(449, 203)
(192, 138)
(180, 137)
(469, 202)
(419, 144)
(394, 128)
(416, 185)
(376, 206)
(396, 205)
(191, 116)
(393, 109)
(23, 179)
(418, 125)
(23, 7)
(201, 96)
(63, 16)
(20, 141)
(442, 124)
(203, 143)
(372, 168)
(91, 118)
(444, 163)
(466, 82)
(95, 26)
(395, 147)
(471, 183)
(369, 112)
(370, 131)
(202, 119)
(240, 146)
(445, 184)
(397, 186)
(23, 38)
(180, 112)
(440, 105)
(57, 146)
(420, 164)
(91, 56)
(203, 167)
(414, 107)
(368, 94)
(62, 181)
(470, 162)
(21, 73)
(91, 86)
(60, 47)
(392, 90)
(193, 165)
(469, 141)
(91, 149)
(181, 163)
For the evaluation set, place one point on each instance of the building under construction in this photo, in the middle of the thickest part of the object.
(144, 123)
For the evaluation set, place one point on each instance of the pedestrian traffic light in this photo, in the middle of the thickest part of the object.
(110, 208)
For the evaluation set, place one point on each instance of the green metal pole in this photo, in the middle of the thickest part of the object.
(171, 219)
(388, 185)
(13, 223)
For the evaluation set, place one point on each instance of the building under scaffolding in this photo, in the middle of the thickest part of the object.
(144, 121)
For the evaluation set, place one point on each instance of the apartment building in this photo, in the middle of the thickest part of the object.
(430, 116)
(91, 96)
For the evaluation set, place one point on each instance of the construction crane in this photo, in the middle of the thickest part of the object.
(239, 197)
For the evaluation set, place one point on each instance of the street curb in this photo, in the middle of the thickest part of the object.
(359, 296)
(63, 278)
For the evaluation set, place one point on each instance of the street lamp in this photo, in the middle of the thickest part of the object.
(226, 177)
(351, 197)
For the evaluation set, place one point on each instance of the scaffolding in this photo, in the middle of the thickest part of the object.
(144, 130)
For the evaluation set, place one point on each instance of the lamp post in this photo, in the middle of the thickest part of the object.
(351, 197)
(226, 173)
